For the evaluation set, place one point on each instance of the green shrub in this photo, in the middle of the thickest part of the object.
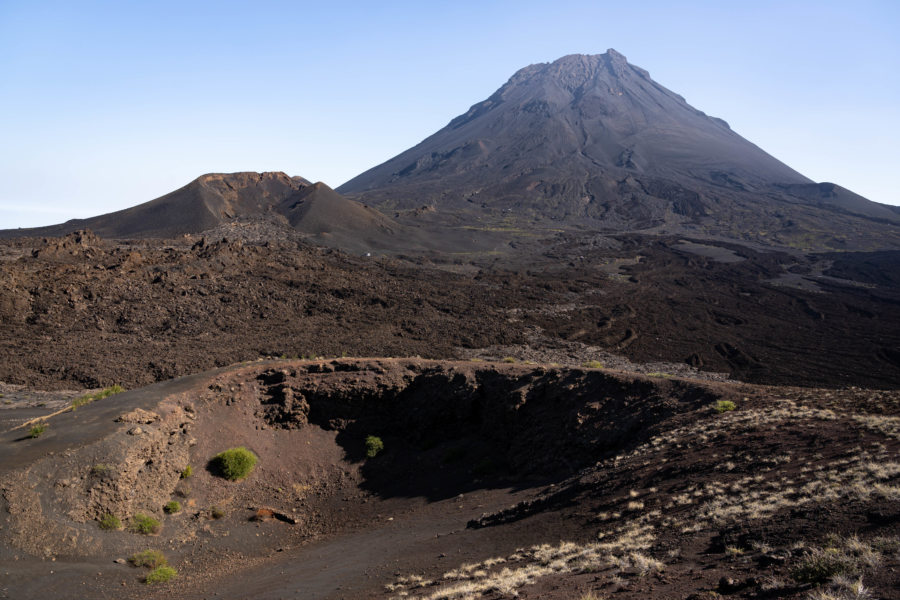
(145, 524)
(149, 558)
(509, 359)
(37, 429)
(172, 507)
(110, 521)
(725, 406)
(216, 513)
(374, 446)
(592, 364)
(160, 574)
(234, 463)
(187, 472)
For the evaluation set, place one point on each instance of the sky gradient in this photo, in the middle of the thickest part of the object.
(104, 105)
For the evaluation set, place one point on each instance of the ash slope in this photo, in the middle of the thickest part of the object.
(593, 141)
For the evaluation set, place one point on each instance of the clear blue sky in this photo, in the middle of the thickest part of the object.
(105, 105)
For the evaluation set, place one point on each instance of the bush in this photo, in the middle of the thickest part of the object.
(509, 359)
(818, 566)
(592, 364)
(374, 445)
(160, 574)
(37, 429)
(725, 406)
(149, 558)
(234, 463)
(187, 472)
(172, 507)
(110, 521)
(216, 513)
(145, 524)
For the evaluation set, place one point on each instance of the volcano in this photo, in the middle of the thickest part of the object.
(593, 142)
(217, 199)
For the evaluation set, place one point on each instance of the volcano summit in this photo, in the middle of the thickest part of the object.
(593, 142)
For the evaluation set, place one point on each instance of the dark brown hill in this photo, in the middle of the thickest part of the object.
(593, 142)
(218, 204)
(217, 199)
(204, 203)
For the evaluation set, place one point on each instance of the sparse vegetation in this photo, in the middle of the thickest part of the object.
(374, 446)
(144, 524)
(846, 558)
(37, 430)
(161, 574)
(526, 565)
(100, 469)
(592, 364)
(88, 398)
(148, 558)
(841, 588)
(509, 359)
(110, 522)
(172, 507)
(725, 406)
(235, 463)
(187, 472)
(216, 513)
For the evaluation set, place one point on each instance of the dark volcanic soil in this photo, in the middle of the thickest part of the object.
(495, 480)
(83, 312)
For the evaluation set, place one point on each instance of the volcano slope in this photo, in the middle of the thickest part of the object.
(493, 480)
